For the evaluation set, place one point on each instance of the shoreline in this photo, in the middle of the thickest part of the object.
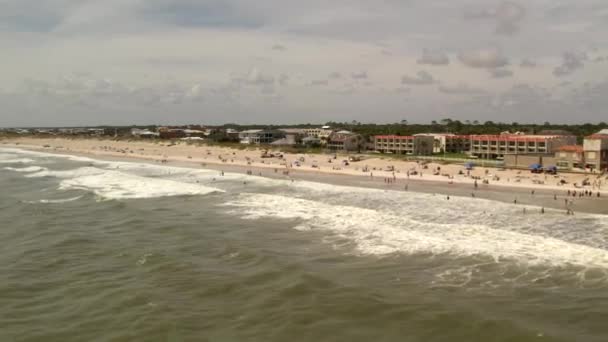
(541, 197)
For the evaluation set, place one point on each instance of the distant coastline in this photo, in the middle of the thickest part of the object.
(373, 171)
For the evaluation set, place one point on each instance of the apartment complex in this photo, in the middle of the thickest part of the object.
(416, 145)
(478, 146)
(449, 143)
(497, 146)
(596, 150)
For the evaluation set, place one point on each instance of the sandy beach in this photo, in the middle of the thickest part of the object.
(560, 191)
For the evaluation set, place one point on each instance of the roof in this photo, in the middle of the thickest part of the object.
(517, 137)
(603, 134)
(398, 137)
(291, 130)
(250, 131)
(344, 132)
(571, 148)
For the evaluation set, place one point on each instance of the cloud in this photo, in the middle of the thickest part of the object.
(434, 58)
(422, 78)
(527, 63)
(283, 80)
(600, 59)
(279, 47)
(507, 16)
(359, 75)
(318, 83)
(335, 75)
(461, 88)
(208, 13)
(571, 61)
(256, 77)
(484, 58)
(501, 73)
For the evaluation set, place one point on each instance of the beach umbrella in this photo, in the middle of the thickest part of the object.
(535, 166)
(469, 165)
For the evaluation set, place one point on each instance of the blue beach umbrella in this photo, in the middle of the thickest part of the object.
(535, 166)
(469, 165)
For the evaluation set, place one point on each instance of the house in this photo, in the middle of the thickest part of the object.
(345, 141)
(259, 136)
(311, 142)
(570, 157)
(596, 150)
(171, 133)
(321, 133)
(143, 133)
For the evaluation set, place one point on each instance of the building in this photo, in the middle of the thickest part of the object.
(345, 141)
(449, 143)
(259, 136)
(322, 133)
(596, 150)
(143, 133)
(570, 157)
(412, 145)
(497, 146)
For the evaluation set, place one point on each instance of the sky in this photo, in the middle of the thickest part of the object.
(124, 62)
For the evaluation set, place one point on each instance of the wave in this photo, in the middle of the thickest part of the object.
(55, 201)
(83, 171)
(119, 185)
(16, 161)
(26, 169)
(374, 232)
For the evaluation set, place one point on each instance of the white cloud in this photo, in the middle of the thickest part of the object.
(484, 58)
(422, 78)
(571, 61)
(142, 57)
(434, 58)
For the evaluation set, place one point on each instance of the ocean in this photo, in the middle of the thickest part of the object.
(97, 250)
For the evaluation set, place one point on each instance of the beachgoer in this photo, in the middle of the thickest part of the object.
(542, 210)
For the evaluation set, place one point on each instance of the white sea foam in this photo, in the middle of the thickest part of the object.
(83, 171)
(17, 161)
(26, 169)
(119, 185)
(55, 201)
(379, 233)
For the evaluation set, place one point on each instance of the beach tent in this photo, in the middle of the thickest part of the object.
(469, 165)
(551, 169)
(535, 166)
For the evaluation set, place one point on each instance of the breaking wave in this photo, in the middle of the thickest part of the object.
(119, 185)
(375, 232)
(26, 169)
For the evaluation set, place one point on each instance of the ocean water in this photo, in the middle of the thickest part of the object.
(95, 250)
